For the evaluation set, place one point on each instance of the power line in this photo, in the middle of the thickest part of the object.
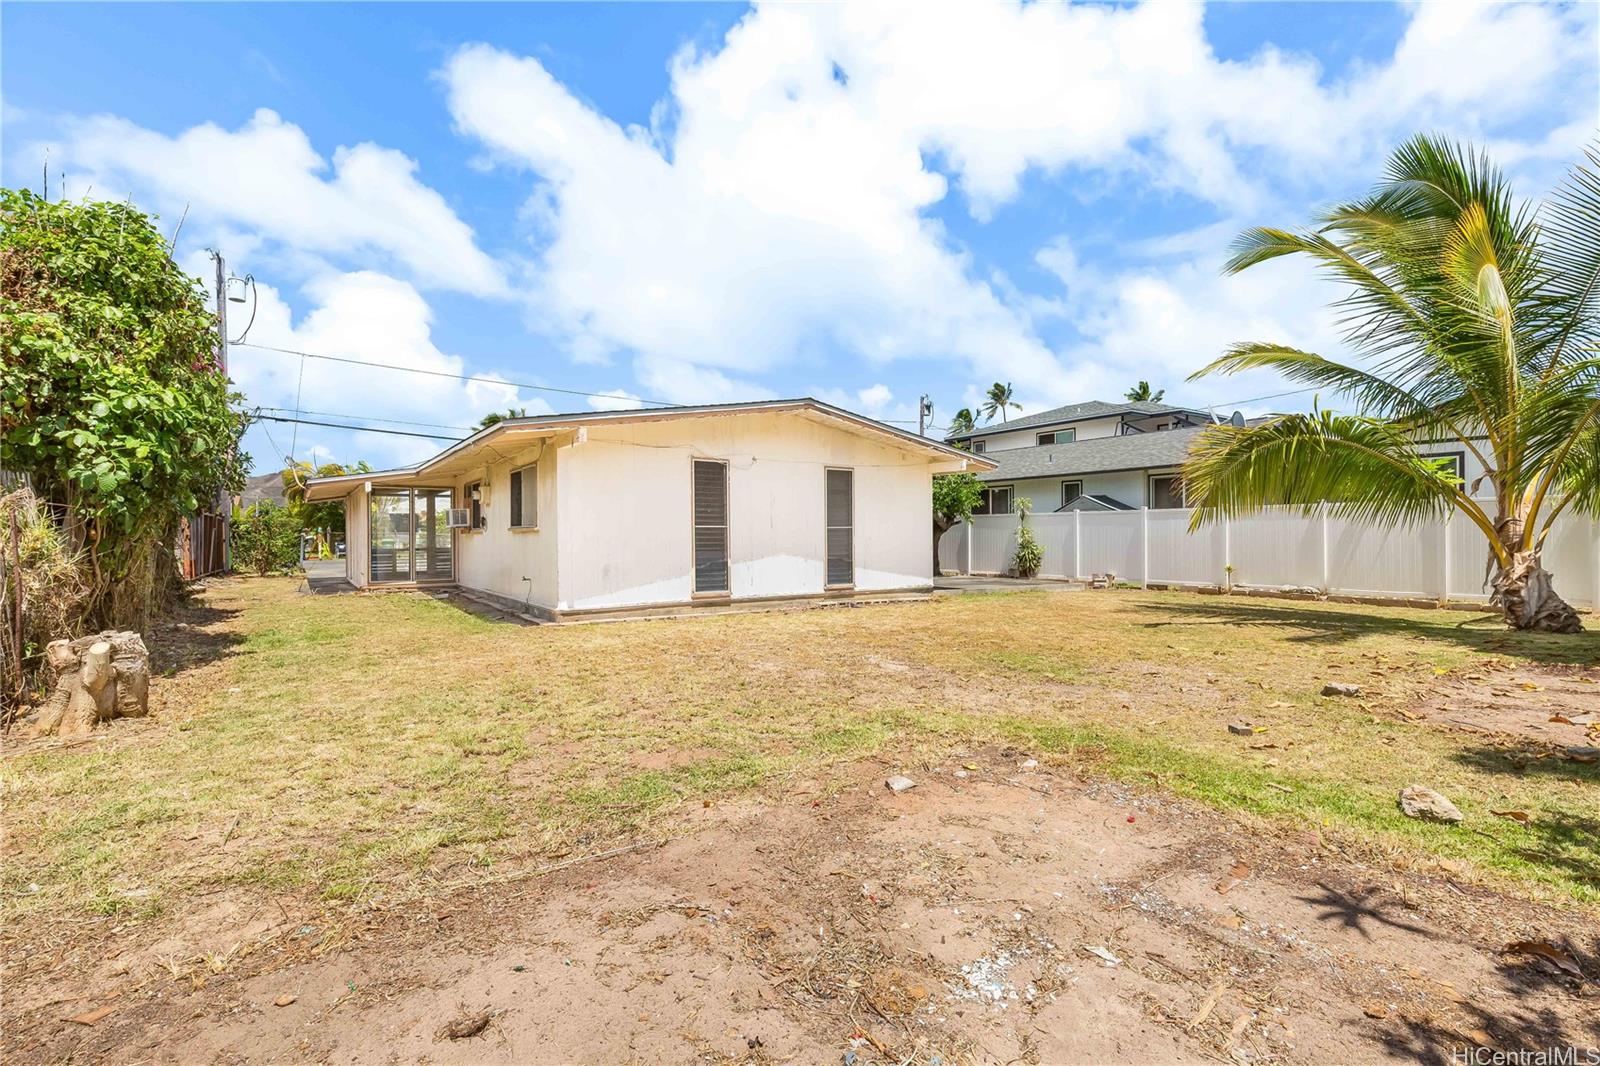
(369, 418)
(445, 374)
(357, 429)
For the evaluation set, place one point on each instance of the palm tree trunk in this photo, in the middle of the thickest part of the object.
(1524, 592)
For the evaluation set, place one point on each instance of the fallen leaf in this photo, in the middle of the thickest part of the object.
(1515, 816)
(468, 1025)
(90, 1017)
(1208, 1004)
(1103, 955)
(1558, 957)
(1375, 1010)
(284, 1000)
(1240, 871)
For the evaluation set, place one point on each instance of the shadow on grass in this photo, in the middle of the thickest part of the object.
(191, 636)
(1525, 761)
(1338, 625)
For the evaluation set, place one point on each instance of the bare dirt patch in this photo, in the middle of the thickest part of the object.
(1009, 915)
(1558, 706)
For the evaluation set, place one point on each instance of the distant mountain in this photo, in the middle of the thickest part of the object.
(262, 487)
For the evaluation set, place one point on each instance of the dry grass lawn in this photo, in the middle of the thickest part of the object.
(367, 746)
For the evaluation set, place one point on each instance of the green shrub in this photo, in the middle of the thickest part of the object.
(266, 538)
(1030, 556)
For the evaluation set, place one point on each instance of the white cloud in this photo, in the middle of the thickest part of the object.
(778, 206)
(373, 318)
(264, 182)
(875, 398)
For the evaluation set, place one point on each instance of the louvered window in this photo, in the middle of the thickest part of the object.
(710, 526)
(841, 509)
(524, 497)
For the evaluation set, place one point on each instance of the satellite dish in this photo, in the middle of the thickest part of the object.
(1236, 420)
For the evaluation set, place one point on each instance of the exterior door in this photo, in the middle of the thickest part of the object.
(409, 536)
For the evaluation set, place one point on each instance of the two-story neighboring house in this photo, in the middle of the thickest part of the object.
(1093, 455)
(1109, 457)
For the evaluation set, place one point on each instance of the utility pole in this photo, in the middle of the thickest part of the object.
(924, 412)
(221, 503)
(222, 310)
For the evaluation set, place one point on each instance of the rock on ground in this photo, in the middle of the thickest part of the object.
(1420, 802)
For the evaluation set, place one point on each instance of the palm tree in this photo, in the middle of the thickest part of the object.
(1477, 321)
(997, 399)
(1142, 391)
(961, 423)
(495, 416)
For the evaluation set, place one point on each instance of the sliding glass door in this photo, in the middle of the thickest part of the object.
(410, 536)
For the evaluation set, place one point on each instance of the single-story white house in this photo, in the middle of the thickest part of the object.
(678, 507)
(1100, 456)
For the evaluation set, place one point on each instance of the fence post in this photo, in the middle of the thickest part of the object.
(1077, 548)
(971, 530)
(1594, 604)
(1327, 573)
(1226, 584)
(1444, 554)
(1144, 547)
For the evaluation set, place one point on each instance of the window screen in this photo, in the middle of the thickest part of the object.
(710, 526)
(1070, 490)
(524, 497)
(840, 507)
(1166, 492)
(474, 503)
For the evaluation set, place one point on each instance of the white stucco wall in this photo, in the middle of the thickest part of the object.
(497, 558)
(626, 531)
(1126, 486)
(356, 557)
(1002, 439)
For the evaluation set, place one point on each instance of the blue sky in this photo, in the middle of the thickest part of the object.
(699, 202)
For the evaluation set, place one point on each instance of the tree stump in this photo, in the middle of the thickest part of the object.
(98, 677)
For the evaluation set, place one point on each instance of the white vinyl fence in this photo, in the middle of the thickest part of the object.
(1275, 549)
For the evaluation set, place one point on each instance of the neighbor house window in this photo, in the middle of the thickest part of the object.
(1060, 436)
(472, 500)
(1070, 490)
(710, 525)
(980, 446)
(995, 501)
(1166, 491)
(525, 497)
(840, 510)
(1454, 462)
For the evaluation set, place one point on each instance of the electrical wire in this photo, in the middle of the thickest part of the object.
(369, 418)
(357, 429)
(446, 374)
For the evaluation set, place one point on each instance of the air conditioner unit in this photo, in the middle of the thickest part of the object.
(460, 518)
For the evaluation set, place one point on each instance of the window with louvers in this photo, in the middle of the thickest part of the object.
(524, 483)
(710, 526)
(841, 527)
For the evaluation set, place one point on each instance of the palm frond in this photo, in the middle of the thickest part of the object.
(1361, 468)
(1569, 225)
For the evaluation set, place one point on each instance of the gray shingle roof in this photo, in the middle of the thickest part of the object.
(1077, 412)
(1099, 455)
